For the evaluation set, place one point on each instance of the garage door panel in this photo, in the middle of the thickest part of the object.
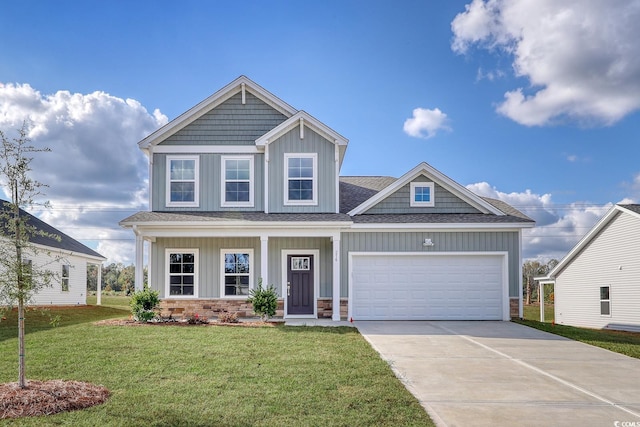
(431, 287)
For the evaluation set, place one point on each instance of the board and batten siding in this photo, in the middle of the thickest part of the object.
(53, 295)
(290, 142)
(209, 262)
(230, 123)
(462, 241)
(399, 202)
(210, 183)
(611, 258)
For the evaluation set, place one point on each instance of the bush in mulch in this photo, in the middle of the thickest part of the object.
(48, 397)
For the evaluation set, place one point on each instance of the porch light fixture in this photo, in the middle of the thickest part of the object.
(427, 243)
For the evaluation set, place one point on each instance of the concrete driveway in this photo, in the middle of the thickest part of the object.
(505, 374)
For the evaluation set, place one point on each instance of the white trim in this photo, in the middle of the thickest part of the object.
(337, 271)
(265, 195)
(600, 300)
(505, 272)
(223, 169)
(196, 272)
(222, 272)
(432, 195)
(316, 279)
(336, 159)
(463, 226)
(196, 196)
(305, 119)
(424, 169)
(314, 199)
(206, 149)
(210, 103)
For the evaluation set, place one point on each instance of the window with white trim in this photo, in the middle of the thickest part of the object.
(605, 300)
(66, 269)
(422, 194)
(182, 181)
(182, 277)
(301, 170)
(237, 181)
(237, 267)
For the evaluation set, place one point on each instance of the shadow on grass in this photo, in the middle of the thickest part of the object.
(44, 318)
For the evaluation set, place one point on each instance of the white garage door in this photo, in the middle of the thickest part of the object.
(427, 287)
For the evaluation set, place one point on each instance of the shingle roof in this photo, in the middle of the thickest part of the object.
(632, 207)
(437, 218)
(355, 190)
(66, 243)
(224, 217)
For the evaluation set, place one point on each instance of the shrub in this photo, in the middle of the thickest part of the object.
(228, 317)
(144, 304)
(265, 301)
(196, 319)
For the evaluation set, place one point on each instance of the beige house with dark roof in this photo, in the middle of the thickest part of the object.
(244, 188)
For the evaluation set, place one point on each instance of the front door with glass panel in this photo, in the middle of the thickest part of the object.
(300, 287)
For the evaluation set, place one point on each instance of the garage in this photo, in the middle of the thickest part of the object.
(434, 286)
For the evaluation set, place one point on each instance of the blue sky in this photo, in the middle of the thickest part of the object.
(535, 103)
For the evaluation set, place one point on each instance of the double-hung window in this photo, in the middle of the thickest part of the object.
(182, 181)
(182, 267)
(65, 277)
(237, 267)
(237, 181)
(422, 194)
(605, 301)
(301, 177)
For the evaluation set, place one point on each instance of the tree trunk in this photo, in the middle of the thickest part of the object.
(528, 291)
(21, 371)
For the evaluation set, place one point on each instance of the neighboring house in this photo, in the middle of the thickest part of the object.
(244, 188)
(64, 256)
(597, 284)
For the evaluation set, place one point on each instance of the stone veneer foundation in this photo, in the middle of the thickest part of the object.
(211, 308)
(514, 308)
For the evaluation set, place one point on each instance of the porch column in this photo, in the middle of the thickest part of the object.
(336, 279)
(99, 284)
(541, 300)
(264, 260)
(139, 278)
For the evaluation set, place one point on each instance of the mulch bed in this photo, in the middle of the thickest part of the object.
(130, 322)
(48, 397)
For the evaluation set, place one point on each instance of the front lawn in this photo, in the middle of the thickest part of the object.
(532, 312)
(118, 301)
(621, 342)
(210, 375)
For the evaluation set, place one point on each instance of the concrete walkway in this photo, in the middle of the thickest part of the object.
(505, 374)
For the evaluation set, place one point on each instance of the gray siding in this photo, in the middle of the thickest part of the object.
(230, 123)
(209, 269)
(399, 202)
(312, 143)
(324, 245)
(210, 184)
(462, 241)
(610, 259)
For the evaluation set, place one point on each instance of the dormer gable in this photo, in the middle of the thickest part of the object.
(419, 191)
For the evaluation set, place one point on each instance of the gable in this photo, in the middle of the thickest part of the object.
(230, 123)
(399, 202)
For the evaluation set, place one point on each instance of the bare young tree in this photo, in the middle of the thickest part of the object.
(21, 276)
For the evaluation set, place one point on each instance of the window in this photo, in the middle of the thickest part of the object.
(605, 301)
(182, 265)
(422, 194)
(236, 272)
(300, 182)
(65, 277)
(237, 181)
(182, 181)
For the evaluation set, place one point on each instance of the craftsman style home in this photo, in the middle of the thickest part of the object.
(245, 189)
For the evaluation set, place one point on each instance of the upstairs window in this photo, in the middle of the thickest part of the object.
(422, 194)
(237, 181)
(65, 277)
(182, 181)
(301, 179)
(605, 301)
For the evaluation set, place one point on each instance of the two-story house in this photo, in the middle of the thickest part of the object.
(245, 188)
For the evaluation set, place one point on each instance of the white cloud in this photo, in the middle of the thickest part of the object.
(558, 227)
(581, 57)
(426, 123)
(95, 172)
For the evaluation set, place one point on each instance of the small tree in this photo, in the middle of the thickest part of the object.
(20, 278)
(264, 301)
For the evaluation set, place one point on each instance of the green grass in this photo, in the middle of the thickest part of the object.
(118, 301)
(532, 312)
(621, 342)
(209, 376)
